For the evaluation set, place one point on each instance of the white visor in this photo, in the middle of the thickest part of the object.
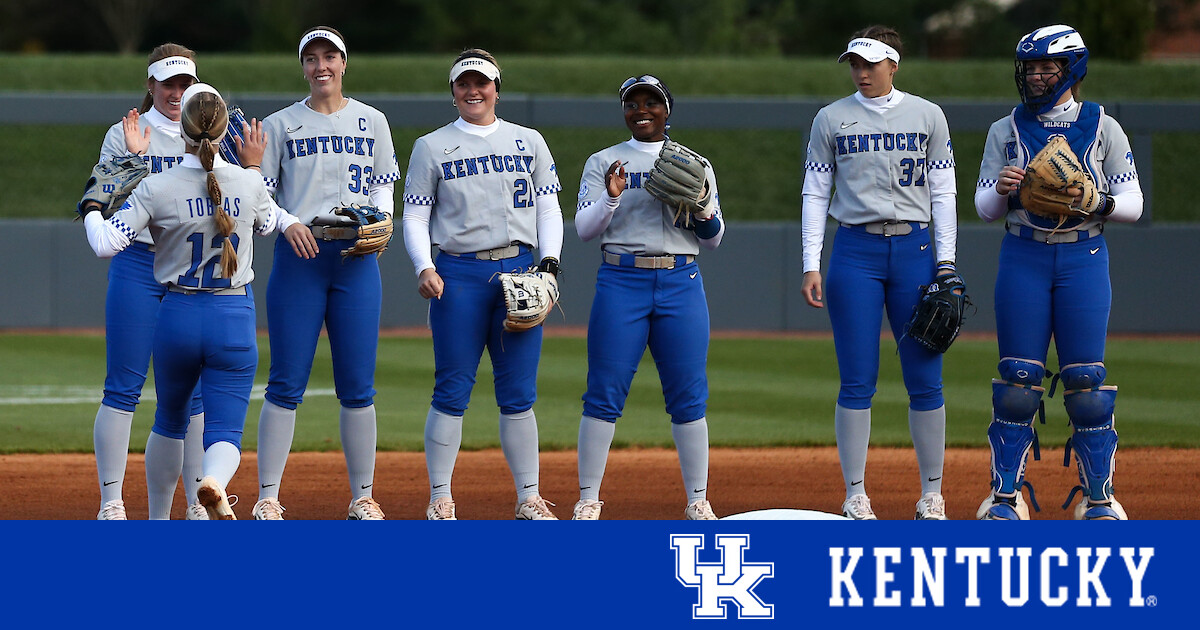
(193, 90)
(322, 34)
(872, 50)
(475, 64)
(164, 69)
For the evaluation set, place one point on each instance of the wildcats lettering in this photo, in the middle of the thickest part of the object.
(487, 164)
(353, 145)
(865, 142)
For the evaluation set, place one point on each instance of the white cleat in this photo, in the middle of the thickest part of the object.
(1112, 511)
(858, 507)
(535, 508)
(195, 512)
(364, 509)
(587, 510)
(699, 510)
(1003, 508)
(931, 507)
(112, 511)
(268, 509)
(212, 496)
(441, 509)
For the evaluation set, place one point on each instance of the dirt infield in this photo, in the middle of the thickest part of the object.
(640, 484)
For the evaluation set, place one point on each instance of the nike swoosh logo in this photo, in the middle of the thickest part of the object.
(298, 128)
(367, 486)
(449, 151)
(442, 485)
(267, 485)
(855, 483)
(925, 247)
(530, 485)
(934, 478)
(693, 276)
(584, 487)
(1093, 251)
(699, 491)
(849, 125)
(109, 483)
(199, 479)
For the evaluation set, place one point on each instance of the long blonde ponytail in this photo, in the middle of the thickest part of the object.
(204, 120)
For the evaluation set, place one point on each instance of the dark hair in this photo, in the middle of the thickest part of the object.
(158, 54)
(479, 53)
(885, 34)
(205, 118)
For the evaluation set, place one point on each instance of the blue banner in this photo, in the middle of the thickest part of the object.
(608, 574)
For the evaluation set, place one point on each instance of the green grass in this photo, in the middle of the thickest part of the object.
(763, 392)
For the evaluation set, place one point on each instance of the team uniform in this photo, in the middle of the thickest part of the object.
(889, 165)
(313, 163)
(131, 306)
(649, 293)
(485, 197)
(1053, 281)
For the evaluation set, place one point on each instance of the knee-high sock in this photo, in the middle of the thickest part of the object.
(276, 426)
(110, 436)
(358, 431)
(221, 461)
(853, 430)
(519, 441)
(193, 457)
(164, 463)
(443, 437)
(595, 440)
(928, 431)
(691, 443)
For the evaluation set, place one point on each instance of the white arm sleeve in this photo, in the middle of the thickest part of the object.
(943, 188)
(416, 236)
(593, 219)
(989, 204)
(382, 196)
(818, 187)
(1127, 202)
(549, 226)
(106, 240)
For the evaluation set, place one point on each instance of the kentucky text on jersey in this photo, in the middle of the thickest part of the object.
(159, 163)
(864, 142)
(496, 164)
(301, 147)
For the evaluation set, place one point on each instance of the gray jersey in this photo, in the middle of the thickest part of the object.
(880, 159)
(165, 152)
(315, 162)
(1111, 156)
(176, 207)
(641, 224)
(483, 190)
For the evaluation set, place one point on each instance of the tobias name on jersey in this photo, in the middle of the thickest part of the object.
(203, 207)
(354, 145)
(487, 164)
(864, 142)
(160, 163)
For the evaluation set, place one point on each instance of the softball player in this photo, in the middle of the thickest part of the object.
(649, 292)
(324, 152)
(202, 217)
(880, 163)
(1053, 278)
(132, 301)
(485, 193)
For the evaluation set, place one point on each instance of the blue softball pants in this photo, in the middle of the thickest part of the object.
(130, 314)
(470, 317)
(665, 309)
(870, 274)
(209, 339)
(344, 295)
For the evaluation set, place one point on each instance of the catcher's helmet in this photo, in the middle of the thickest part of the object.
(651, 82)
(1060, 43)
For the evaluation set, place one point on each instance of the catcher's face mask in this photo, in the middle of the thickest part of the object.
(1060, 44)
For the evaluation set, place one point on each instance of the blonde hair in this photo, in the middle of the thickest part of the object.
(204, 119)
(158, 54)
(885, 34)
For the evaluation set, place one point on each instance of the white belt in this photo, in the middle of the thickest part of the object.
(333, 233)
(888, 228)
(666, 261)
(1051, 237)
(499, 253)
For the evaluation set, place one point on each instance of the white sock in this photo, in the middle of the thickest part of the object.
(276, 426)
(691, 443)
(221, 461)
(164, 463)
(110, 436)
(928, 431)
(595, 440)
(853, 430)
(519, 441)
(443, 437)
(193, 457)
(358, 430)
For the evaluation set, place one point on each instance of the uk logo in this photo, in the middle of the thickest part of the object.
(730, 581)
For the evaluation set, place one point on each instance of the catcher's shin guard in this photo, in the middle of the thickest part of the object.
(1015, 401)
(1094, 441)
